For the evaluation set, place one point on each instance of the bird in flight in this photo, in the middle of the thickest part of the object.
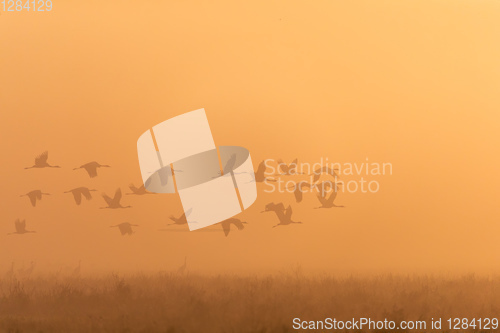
(92, 167)
(260, 174)
(79, 192)
(228, 167)
(284, 215)
(317, 173)
(21, 228)
(34, 196)
(181, 219)
(115, 202)
(298, 191)
(288, 169)
(329, 202)
(323, 187)
(138, 190)
(226, 225)
(231, 162)
(125, 228)
(41, 161)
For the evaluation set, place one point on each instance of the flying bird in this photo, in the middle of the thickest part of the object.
(226, 225)
(181, 219)
(115, 202)
(286, 169)
(317, 173)
(228, 167)
(298, 192)
(34, 196)
(91, 168)
(79, 192)
(328, 202)
(323, 187)
(41, 161)
(125, 228)
(21, 228)
(284, 215)
(260, 175)
(138, 190)
(231, 162)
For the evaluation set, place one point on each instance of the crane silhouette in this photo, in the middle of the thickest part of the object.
(115, 202)
(79, 192)
(92, 167)
(125, 228)
(226, 225)
(20, 228)
(183, 267)
(284, 215)
(231, 162)
(138, 190)
(34, 196)
(41, 161)
(324, 187)
(317, 173)
(298, 192)
(328, 202)
(286, 169)
(260, 174)
(181, 219)
(228, 167)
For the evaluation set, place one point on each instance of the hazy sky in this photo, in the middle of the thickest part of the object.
(411, 83)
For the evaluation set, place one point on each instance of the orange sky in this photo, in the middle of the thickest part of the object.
(415, 84)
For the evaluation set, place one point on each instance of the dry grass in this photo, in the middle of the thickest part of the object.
(194, 303)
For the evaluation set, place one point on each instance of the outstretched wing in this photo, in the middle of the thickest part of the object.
(118, 195)
(78, 197)
(86, 193)
(226, 227)
(183, 217)
(20, 226)
(332, 196)
(32, 199)
(229, 164)
(332, 172)
(91, 170)
(42, 158)
(282, 166)
(108, 200)
(298, 194)
(288, 212)
(238, 224)
(186, 214)
(261, 169)
(322, 199)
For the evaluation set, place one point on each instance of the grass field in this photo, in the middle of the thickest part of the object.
(169, 302)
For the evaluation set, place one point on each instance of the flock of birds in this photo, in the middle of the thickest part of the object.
(284, 215)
